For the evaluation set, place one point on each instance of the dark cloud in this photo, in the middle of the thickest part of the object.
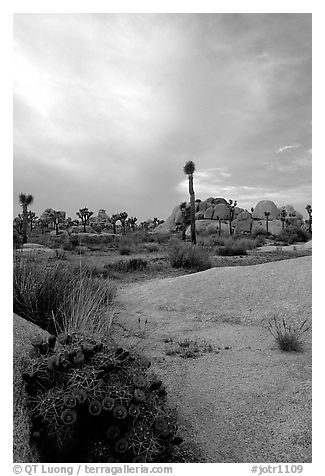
(109, 107)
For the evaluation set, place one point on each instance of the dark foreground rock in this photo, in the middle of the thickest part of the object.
(23, 332)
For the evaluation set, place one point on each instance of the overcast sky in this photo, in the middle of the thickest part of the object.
(109, 107)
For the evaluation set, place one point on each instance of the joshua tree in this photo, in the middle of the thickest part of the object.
(267, 214)
(25, 200)
(113, 219)
(189, 170)
(84, 214)
(309, 211)
(231, 205)
(131, 222)
(122, 217)
(57, 220)
(18, 224)
(283, 215)
(219, 228)
(155, 221)
(31, 219)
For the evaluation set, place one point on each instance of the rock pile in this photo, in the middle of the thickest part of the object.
(213, 214)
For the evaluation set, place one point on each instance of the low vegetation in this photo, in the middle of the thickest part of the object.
(287, 336)
(188, 256)
(93, 402)
(59, 297)
(236, 247)
(293, 235)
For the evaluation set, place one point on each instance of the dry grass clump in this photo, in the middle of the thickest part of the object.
(288, 337)
(93, 402)
(188, 256)
(236, 247)
(58, 297)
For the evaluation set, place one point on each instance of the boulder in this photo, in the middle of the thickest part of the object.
(243, 222)
(208, 214)
(237, 211)
(202, 206)
(266, 206)
(199, 215)
(178, 217)
(244, 215)
(208, 227)
(275, 226)
(23, 332)
(102, 214)
(217, 201)
(169, 224)
(212, 227)
(291, 212)
(210, 200)
(221, 211)
(243, 226)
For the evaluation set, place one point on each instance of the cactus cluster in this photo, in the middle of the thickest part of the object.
(90, 401)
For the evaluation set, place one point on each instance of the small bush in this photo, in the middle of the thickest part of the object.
(236, 247)
(124, 250)
(188, 256)
(127, 265)
(293, 235)
(17, 240)
(152, 247)
(287, 336)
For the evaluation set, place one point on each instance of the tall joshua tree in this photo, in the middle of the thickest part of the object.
(309, 211)
(25, 200)
(84, 214)
(31, 219)
(283, 216)
(122, 217)
(267, 214)
(189, 170)
(113, 219)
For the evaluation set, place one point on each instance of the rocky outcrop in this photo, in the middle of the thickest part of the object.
(266, 206)
(23, 332)
(102, 214)
(221, 212)
(212, 210)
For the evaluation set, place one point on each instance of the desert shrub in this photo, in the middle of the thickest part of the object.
(60, 254)
(292, 235)
(127, 265)
(125, 250)
(91, 401)
(152, 247)
(188, 256)
(17, 240)
(236, 247)
(160, 238)
(56, 296)
(288, 338)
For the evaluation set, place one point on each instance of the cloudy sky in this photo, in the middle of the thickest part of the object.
(109, 107)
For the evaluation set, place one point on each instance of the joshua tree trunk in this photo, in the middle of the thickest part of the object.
(25, 223)
(219, 231)
(192, 202)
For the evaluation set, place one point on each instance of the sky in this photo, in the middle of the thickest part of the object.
(109, 107)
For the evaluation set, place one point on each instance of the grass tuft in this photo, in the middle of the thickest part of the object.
(288, 338)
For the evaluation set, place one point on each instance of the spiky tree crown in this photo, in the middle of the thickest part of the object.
(189, 167)
(25, 199)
